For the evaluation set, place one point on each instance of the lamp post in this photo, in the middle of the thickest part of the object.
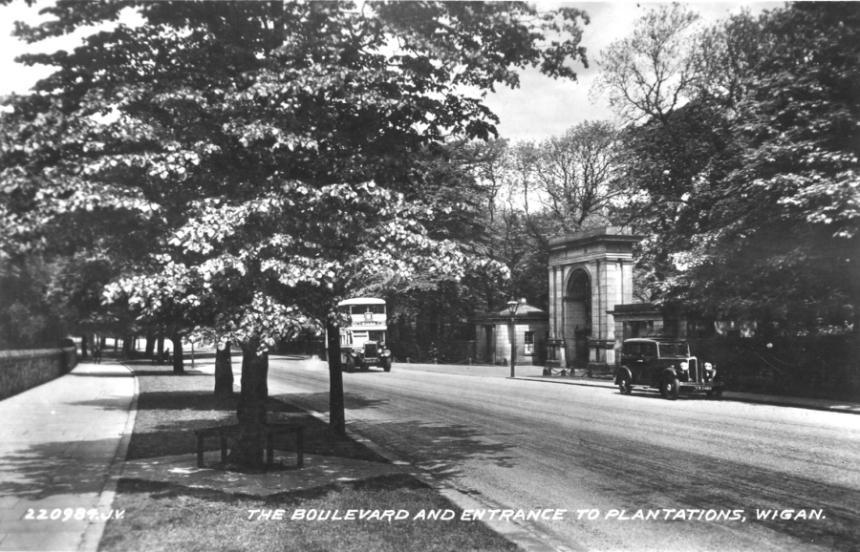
(512, 309)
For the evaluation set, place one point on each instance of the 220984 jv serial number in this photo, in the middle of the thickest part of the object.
(72, 514)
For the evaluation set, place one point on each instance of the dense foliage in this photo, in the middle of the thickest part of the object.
(751, 188)
(246, 165)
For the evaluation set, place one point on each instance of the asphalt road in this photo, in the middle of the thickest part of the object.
(700, 472)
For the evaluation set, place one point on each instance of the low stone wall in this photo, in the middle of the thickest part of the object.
(22, 370)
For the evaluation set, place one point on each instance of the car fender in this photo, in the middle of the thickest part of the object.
(668, 374)
(621, 373)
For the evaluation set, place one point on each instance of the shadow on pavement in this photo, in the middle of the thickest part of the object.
(440, 449)
(166, 421)
(170, 372)
(56, 468)
(320, 401)
(159, 489)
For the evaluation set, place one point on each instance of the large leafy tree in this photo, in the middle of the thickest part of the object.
(668, 199)
(257, 158)
(75, 292)
(576, 173)
(749, 190)
(536, 191)
(657, 68)
(783, 234)
(515, 238)
(27, 317)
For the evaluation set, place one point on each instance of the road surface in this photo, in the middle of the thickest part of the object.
(627, 472)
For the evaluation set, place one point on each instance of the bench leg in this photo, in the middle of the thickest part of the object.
(223, 448)
(199, 451)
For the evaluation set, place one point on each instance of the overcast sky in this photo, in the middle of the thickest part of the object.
(539, 109)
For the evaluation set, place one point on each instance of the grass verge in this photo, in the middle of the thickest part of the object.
(170, 516)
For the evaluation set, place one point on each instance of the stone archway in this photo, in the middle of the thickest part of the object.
(589, 273)
(577, 317)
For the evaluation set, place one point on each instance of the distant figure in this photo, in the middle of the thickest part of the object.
(166, 358)
(97, 354)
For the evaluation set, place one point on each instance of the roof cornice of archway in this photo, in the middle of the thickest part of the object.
(604, 234)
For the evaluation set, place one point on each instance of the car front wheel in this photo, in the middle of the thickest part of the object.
(669, 388)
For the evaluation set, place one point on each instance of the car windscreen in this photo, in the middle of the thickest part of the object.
(674, 350)
(631, 349)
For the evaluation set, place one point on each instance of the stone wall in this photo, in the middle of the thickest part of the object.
(22, 370)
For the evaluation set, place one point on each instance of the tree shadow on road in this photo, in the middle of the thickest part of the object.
(442, 449)
(439, 449)
(320, 401)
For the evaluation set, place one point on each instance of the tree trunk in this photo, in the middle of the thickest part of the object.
(150, 345)
(178, 360)
(251, 411)
(223, 372)
(337, 415)
(128, 346)
(84, 346)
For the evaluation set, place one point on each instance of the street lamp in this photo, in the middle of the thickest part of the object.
(512, 309)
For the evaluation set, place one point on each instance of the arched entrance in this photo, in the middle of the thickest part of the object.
(589, 273)
(577, 317)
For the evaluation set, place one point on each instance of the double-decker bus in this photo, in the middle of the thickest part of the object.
(362, 343)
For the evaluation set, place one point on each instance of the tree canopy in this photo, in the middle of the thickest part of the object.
(750, 187)
(208, 126)
(248, 164)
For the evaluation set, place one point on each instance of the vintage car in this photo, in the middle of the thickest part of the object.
(666, 365)
(370, 353)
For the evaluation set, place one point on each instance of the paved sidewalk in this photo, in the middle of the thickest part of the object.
(830, 405)
(61, 447)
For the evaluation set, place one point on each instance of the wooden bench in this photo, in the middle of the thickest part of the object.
(270, 431)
